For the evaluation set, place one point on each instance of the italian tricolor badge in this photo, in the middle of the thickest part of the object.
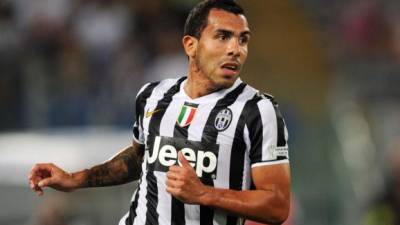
(186, 115)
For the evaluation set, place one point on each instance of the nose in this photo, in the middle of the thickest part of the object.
(234, 47)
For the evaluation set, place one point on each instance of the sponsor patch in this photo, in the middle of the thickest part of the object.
(162, 153)
(275, 152)
(282, 152)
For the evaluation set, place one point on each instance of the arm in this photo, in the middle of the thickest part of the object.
(122, 168)
(269, 203)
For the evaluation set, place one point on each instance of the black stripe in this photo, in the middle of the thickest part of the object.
(210, 134)
(178, 207)
(281, 140)
(162, 105)
(281, 128)
(139, 108)
(181, 132)
(254, 125)
(237, 158)
(140, 104)
(132, 210)
(272, 160)
(154, 130)
(152, 199)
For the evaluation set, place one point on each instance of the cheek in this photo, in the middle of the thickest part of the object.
(244, 54)
(208, 57)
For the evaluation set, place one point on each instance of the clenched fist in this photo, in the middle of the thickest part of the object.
(183, 183)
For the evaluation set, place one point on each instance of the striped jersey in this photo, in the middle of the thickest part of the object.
(222, 135)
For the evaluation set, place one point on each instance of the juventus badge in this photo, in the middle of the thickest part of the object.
(223, 119)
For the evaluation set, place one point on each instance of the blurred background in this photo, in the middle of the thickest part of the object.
(70, 70)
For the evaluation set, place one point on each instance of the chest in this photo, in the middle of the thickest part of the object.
(208, 122)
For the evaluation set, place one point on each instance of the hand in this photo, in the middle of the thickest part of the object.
(183, 183)
(49, 175)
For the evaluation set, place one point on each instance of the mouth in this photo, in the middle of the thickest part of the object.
(231, 67)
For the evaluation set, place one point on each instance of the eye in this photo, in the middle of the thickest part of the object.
(244, 39)
(222, 37)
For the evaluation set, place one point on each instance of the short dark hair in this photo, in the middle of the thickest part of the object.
(198, 17)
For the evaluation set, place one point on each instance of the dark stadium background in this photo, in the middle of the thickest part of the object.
(69, 71)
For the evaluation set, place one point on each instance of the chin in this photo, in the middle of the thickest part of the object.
(225, 83)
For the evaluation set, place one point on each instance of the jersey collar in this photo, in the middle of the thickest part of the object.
(214, 96)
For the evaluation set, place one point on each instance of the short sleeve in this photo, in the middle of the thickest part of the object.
(267, 133)
(140, 103)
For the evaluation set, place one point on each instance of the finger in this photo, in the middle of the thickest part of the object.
(38, 191)
(183, 161)
(34, 182)
(169, 183)
(174, 183)
(41, 170)
(38, 167)
(36, 188)
(173, 191)
(175, 169)
(46, 182)
(172, 175)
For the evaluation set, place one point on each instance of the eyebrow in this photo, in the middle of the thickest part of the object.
(247, 32)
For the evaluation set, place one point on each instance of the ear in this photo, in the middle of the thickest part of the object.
(190, 45)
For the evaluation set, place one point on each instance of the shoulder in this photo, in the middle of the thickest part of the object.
(259, 98)
(157, 86)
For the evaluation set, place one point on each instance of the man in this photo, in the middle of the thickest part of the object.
(208, 148)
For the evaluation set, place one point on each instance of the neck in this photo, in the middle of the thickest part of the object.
(196, 89)
(198, 84)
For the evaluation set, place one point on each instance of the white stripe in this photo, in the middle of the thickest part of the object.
(136, 140)
(192, 214)
(225, 140)
(142, 201)
(122, 220)
(270, 163)
(167, 124)
(270, 130)
(164, 200)
(247, 169)
(137, 122)
(158, 94)
(195, 130)
(142, 89)
(151, 103)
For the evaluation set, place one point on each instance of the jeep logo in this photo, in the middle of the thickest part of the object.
(163, 153)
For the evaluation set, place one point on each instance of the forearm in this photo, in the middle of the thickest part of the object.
(122, 168)
(268, 206)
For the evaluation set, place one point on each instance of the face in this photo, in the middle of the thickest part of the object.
(222, 48)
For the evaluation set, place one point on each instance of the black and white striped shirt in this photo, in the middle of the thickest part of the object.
(223, 135)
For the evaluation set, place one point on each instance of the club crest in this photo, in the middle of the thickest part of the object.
(223, 119)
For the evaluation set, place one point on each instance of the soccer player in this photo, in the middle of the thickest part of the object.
(208, 148)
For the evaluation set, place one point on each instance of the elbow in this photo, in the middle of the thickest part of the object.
(278, 210)
(279, 217)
